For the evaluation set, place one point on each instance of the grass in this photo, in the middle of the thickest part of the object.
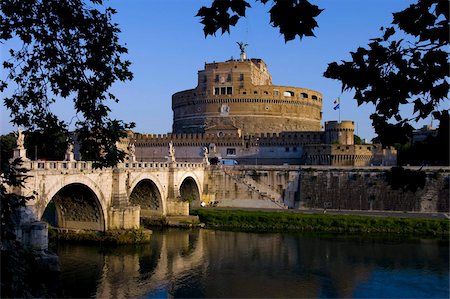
(115, 237)
(267, 221)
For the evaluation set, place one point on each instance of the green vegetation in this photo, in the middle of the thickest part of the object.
(114, 237)
(405, 179)
(275, 221)
(155, 221)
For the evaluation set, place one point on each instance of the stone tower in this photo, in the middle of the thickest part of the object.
(340, 132)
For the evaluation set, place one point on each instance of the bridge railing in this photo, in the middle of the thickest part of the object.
(159, 165)
(87, 165)
(46, 165)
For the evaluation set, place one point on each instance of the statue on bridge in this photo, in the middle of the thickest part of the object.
(205, 156)
(171, 152)
(69, 152)
(20, 139)
(131, 152)
(20, 151)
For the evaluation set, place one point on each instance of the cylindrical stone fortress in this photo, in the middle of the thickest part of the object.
(240, 94)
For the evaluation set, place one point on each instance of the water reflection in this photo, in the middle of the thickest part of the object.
(204, 263)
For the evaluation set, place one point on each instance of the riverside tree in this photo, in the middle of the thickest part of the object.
(406, 67)
(69, 50)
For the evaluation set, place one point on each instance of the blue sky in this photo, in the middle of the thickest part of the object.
(167, 47)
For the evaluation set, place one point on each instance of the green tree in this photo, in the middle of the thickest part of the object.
(69, 50)
(292, 17)
(358, 139)
(46, 144)
(408, 65)
(7, 145)
(434, 150)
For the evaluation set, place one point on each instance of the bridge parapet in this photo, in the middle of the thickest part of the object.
(160, 165)
(88, 165)
(48, 165)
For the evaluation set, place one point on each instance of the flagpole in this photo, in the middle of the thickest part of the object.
(339, 108)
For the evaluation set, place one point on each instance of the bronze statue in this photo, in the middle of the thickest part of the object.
(242, 46)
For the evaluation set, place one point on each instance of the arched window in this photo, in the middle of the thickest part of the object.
(288, 93)
(314, 97)
(304, 95)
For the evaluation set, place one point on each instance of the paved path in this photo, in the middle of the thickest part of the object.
(349, 212)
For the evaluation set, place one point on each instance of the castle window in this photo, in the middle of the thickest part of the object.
(294, 149)
(255, 92)
(217, 78)
(223, 90)
(231, 152)
(286, 149)
(275, 92)
(304, 95)
(314, 97)
(229, 77)
(205, 79)
(265, 92)
(288, 93)
(241, 77)
(216, 90)
(229, 90)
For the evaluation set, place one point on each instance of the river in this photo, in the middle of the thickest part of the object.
(205, 264)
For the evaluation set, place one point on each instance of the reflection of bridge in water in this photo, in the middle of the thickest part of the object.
(74, 195)
(204, 263)
(174, 256)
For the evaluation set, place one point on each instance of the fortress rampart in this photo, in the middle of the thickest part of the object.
(235, 112)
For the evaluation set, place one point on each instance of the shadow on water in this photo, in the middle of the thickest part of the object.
(203, 263)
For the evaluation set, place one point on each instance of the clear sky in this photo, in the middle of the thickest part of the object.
(167, 47)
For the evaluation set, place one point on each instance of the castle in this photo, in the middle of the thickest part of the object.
(235, 112)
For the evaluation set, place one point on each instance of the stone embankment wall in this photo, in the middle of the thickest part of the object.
(252, 186)
(324, 187)
(367, 189)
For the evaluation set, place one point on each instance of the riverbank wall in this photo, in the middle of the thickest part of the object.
(365, 188)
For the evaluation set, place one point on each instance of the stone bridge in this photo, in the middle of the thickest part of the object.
(74, 195)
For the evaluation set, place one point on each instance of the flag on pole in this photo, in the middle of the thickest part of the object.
(337, 103)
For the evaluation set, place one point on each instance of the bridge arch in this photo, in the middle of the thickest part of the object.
(152, 191)
(75, 206)
(45, 198)
(190, 188)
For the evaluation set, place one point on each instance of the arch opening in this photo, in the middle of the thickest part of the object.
(146, 194)
(75, 206)
(189, 192)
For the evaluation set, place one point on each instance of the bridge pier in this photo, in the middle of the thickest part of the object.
(127, 217)
(30, 231)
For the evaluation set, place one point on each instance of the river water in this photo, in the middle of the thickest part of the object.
(205, 264)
